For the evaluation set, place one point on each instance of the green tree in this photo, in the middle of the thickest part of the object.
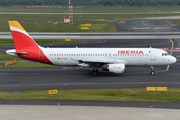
(108, 3)
(133, 3)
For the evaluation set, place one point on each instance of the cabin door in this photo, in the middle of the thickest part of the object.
(153, 55)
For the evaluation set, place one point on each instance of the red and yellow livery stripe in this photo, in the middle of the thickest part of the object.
(24, 43)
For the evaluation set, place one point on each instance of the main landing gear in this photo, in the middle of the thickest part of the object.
(95, 72)
(152, 70)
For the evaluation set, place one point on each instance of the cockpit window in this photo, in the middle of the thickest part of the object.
(165, 54)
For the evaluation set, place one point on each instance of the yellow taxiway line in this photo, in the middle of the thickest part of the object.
(172, 45)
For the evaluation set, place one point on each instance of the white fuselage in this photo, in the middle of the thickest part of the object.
(128, 56)
(110, 59)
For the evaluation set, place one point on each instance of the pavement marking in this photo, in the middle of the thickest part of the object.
(82, 84)
(33, 74)
(150, 27)
(172, 45)
(151, 44)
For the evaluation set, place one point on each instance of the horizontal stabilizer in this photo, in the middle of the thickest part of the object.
(14, 53)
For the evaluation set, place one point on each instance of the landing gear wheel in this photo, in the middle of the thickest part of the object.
(95, 72)
(152, 72)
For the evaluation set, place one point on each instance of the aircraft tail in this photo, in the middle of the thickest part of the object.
(20, 37)
(25, 46)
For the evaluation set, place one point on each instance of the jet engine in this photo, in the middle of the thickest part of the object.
(116, 68)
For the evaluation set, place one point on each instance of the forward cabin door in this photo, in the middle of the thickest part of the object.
(153, 55)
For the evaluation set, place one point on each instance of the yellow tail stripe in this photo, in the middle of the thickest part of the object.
(16, 25)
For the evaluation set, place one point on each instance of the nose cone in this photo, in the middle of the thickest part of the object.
(173, 60)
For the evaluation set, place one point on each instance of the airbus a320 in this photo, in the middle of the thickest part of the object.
(114, 60)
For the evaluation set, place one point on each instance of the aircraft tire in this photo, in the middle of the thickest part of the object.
(95, 72)
(152, 73)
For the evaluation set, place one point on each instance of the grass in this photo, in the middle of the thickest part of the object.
(177, 22)
(9, 42)
(45, 22)
(20, 62)
(26, 64)
(101, 22)
(95, 9)
(4, 57)
(100, 27)
(128, 95)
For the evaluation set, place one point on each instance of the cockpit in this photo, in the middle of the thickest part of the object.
(165, 54)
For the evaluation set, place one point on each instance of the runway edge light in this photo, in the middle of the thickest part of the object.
(53, 92)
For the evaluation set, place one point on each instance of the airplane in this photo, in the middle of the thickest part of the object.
(114, 60)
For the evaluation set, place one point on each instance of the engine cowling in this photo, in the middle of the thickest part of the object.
(116, 68)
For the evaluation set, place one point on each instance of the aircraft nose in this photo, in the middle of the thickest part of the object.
(173, 59)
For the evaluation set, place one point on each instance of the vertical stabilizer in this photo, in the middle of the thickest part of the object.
(25, 46)
(20, 37)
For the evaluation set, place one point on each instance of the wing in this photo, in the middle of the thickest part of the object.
(99, 62)
(104, 61)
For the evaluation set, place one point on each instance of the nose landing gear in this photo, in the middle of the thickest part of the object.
(152, 70)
